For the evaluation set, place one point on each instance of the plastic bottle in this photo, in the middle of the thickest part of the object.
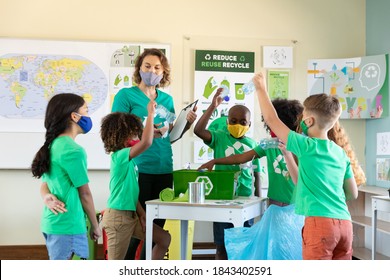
(269, 143)
(164, 113)
(225, 93)
(248, 87)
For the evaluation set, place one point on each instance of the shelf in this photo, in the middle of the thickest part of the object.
(373, 190)
(365, 254)
(361, 222)
(382, 226)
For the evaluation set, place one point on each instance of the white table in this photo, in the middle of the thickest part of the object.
(379, 203)
(235, 211)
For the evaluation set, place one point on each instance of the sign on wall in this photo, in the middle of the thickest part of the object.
(228, 69)
(358, 83)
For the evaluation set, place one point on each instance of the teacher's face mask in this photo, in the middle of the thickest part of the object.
(150, 79)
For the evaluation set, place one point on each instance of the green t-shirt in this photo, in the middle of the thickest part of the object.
(68, 171)
(322, 168)
(124, 188)
(225, 145)
(158, 158)
(280, 184)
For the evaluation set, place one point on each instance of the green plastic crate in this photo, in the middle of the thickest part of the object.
(92, 244)
(218, 184)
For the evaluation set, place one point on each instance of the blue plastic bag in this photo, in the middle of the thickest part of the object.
(277, 236)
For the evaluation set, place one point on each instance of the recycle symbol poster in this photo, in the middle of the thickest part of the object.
(215, 69)
(359, 83)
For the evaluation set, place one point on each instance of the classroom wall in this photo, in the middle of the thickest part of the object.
(378, 42)
(322, 29)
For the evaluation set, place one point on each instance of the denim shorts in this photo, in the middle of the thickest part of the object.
(219, 230)
(63, 246)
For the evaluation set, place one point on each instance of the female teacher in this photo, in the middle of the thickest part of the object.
(155, 165)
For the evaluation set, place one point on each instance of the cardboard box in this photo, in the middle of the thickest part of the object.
(218, 184)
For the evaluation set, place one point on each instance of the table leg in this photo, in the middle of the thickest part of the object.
(150, 214)
(373, 228)
(183, 239)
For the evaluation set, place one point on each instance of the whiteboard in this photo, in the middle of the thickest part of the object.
(31, 71)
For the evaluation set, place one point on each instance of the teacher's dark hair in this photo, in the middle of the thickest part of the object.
(57, 120)
(166, 80)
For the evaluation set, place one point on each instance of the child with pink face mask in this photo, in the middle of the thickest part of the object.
(124, 138)
(227, 143)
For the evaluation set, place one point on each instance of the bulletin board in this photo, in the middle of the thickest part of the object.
(32, 71)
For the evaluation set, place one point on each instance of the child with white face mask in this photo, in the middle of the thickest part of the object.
(227, 143)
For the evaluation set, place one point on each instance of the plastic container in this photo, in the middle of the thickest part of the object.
(196, 192)
(217, 184)
(164, 113)
(269, 143)
(225, 93)
(248, 87)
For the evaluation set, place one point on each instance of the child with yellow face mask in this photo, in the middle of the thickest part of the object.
(227, 143)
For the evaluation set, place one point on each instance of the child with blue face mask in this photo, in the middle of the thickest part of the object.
(227, 143)
(62, 164)
(85, 122)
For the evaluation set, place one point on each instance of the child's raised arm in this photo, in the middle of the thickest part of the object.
(200, 127)
(292, 166)
(267, 109)
(147, 134)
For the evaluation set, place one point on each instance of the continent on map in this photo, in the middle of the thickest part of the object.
(27, 82)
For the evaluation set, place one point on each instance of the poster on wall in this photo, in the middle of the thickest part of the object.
(277, 57)
(32, 71)
(278, 84)
(358, 83)
(383, 169)
(228, 69)
(383, 144)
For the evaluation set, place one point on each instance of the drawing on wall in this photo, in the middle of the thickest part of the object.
(278, 84)
(383, 169)
(383, 143)
(125, 56)
(277, 57)
(358, 83)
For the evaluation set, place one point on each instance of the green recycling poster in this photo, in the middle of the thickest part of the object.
(229, 69)
(278, 84)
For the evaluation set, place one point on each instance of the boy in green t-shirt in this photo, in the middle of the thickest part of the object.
(325, 177)
(282, 169)
(226, 143)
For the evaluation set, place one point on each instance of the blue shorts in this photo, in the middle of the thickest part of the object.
(63, 246)
(219, 230)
